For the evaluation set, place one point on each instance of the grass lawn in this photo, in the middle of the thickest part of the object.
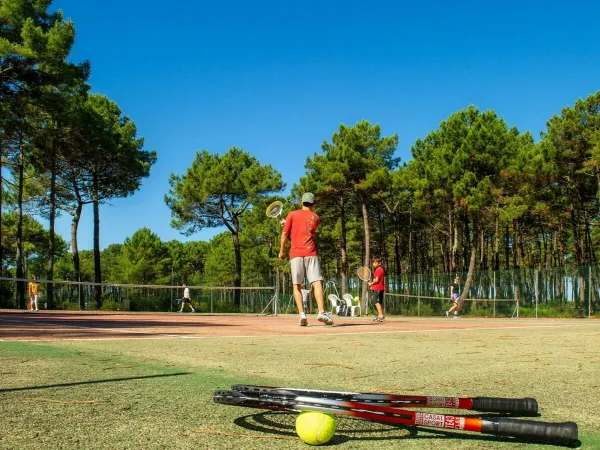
(156, 393)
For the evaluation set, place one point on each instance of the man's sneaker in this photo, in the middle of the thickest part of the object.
(447, 313)
(325, 317)
(456, 316)
(379, 319)
(303, 320)
(180, 310)
(193, 310)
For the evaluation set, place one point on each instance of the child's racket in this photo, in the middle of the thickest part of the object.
(557, 433)
(364, 273)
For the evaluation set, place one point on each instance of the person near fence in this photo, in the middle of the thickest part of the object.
(378, 287)
(186, 299)
(300, 227)
(33, 290)
(455, 297)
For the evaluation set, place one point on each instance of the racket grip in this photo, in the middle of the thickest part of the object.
(525, 406)
(557, 433)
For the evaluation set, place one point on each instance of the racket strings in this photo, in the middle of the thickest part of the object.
(274, 209)
(284, 423)
(364, 273)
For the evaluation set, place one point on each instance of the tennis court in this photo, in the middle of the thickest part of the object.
(145, 380)
(58, 325)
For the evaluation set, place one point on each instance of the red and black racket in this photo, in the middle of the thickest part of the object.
(557, 433)
(514, 406)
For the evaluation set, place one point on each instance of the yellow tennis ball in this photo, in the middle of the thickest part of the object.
(357, 299)
(315, 428)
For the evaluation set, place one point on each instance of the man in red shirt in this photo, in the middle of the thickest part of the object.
(300, 227)
(378, 288)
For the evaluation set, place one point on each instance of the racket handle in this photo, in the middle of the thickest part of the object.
(525, 406)
(558, 433)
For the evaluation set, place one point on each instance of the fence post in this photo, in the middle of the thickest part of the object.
(537, 293)
(589, 291)
(419, 295)
(276, 299)
(494, 272)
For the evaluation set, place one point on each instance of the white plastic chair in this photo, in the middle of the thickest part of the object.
(335, 303)
(352, 308)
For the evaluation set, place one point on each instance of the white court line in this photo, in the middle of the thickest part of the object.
(174, 336)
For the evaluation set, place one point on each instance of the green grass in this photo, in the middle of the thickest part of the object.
(157, 393)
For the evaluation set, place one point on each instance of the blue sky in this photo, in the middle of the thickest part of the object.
(276, 78)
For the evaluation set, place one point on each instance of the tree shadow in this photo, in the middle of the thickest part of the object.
(82, 383)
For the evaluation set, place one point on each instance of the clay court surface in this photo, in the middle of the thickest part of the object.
(56, 325)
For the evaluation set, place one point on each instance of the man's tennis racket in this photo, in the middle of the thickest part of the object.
(515, 406)
(558, 433)
(274, 210)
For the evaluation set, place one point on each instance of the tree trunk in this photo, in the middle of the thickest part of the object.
(482, 265)
(97, 261)
(344, 250)
(469, 281)
(561, 245)
(397, 260)
(365, 287)
(237, 280)
(75, 251)
(453, 242)
(576, 236)
(1, 200)
(50, 272)
(20, 274)
(515, 253)
(496, 263)
(506, 248)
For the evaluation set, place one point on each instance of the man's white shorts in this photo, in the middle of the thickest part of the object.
(306, 267)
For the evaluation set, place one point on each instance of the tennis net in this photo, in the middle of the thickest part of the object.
(84, 296)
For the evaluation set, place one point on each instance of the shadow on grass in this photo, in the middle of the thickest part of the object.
(82, 383)
(350, 429)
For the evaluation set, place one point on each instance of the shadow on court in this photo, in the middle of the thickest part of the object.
(349, 429)
(83, 383)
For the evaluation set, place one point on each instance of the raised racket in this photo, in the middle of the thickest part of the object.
(274, 210)
(515, 406)
(557, 433)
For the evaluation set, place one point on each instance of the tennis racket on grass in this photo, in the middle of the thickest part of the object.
(515, 406)
(557, 433)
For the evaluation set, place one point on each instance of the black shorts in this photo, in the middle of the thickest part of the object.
(378, 297)
(185, 300)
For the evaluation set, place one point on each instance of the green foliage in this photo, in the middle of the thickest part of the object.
(143, 257)
(35, 242)
(217, 190)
